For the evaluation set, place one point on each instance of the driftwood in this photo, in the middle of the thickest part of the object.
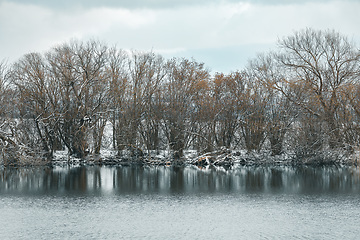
(222, 157)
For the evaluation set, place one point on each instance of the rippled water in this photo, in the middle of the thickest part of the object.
(180, 203)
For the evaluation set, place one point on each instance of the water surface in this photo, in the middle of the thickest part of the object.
(180, 203)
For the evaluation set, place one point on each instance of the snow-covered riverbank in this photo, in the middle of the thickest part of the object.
(223, 158)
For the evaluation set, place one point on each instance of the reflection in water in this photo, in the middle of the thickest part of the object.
(179, 180)
(179, 203)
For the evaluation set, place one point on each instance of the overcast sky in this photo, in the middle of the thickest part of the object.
(223, 34)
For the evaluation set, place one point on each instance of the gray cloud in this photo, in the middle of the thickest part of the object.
(132, 4)
(149, 4)
(223, 35)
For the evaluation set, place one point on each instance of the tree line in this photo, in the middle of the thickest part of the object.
(303, 98)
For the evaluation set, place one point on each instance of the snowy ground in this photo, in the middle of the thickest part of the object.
(241, 157)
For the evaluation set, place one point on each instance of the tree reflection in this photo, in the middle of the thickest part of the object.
(179, 180)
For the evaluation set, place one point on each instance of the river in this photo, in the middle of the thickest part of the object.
(245, 202)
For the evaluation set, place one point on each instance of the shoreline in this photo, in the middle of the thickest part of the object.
(224, 158)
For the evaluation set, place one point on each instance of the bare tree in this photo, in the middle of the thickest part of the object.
(79, 73)
(228, 94)
(253, 115)
(7, 144)
(31, 79)
(4, 89)
(137, 124)
(280, 113)
(116, 71)
(203, 118)
(349, 114)
(149, 126)
(324, 62)
(182, 87)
